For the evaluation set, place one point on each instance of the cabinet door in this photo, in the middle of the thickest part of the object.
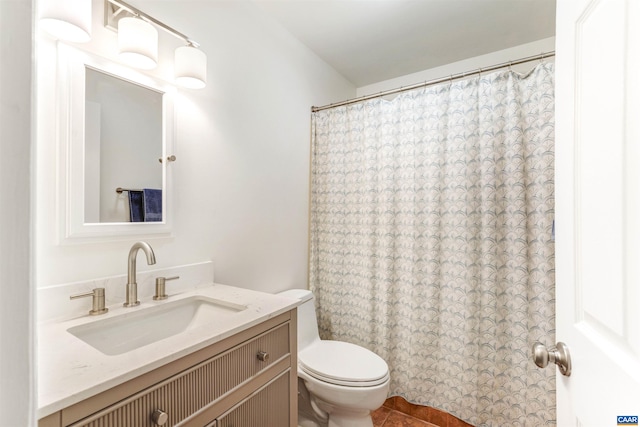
(269, 406)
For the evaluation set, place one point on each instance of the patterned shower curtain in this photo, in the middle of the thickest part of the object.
(431, 241)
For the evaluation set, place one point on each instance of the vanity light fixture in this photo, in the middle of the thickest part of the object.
(190, 67)
(68, 20)
(190, 64)
(138, 43)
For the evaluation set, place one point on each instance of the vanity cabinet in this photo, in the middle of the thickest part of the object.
(246, 380)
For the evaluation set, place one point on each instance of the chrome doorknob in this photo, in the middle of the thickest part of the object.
(559, 355)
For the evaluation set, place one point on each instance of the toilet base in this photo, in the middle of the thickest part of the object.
(305, 422)
(339, 406)
(307, 416)
(345, 420)
(337, 417)
(345, 417)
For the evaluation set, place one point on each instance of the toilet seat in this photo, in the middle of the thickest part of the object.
(343, 363)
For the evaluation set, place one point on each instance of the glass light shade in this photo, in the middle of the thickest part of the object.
(68, 20)
(138, 43)
(190, 67)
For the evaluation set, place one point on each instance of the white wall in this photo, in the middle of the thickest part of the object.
(471, 64)
(241, 175)
(16, 306)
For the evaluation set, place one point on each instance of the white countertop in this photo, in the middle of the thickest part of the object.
(69, 370)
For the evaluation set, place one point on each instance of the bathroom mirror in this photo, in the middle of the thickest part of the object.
(122, 147)
(116, 132)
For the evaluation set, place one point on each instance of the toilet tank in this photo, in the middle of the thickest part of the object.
(307, 320)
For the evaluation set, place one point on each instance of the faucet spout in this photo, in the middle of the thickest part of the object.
(132, 287)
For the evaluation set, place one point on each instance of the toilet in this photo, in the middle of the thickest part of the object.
(343, 382)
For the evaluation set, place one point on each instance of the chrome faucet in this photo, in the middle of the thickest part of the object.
(132, 286)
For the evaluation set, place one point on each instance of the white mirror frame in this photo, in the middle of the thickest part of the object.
(71, 150)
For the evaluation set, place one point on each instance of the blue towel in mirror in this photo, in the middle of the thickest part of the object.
(136, 206)
(152, 204)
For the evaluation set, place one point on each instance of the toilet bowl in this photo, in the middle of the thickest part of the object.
(344, 381)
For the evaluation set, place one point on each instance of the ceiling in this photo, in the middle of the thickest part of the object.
(369, 41)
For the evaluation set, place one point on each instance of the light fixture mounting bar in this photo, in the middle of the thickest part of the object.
(110, 18)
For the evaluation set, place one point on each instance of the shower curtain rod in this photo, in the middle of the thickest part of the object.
(436, 81)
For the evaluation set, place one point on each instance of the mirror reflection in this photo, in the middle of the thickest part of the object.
(123, 145)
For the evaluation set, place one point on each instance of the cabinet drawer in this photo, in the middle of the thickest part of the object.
(186, 393)
(251, 411)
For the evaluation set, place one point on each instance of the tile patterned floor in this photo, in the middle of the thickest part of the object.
(385, 417)
(397, 412)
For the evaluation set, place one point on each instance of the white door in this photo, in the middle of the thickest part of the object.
(598, 210)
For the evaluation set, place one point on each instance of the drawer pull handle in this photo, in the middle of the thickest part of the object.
(159, 417)
(263, 356)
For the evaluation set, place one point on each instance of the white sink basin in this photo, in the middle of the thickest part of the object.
(129, 331)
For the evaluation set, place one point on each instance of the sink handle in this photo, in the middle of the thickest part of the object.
(98, 300)
(161, 292)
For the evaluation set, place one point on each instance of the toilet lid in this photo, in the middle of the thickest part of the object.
(343, 363)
